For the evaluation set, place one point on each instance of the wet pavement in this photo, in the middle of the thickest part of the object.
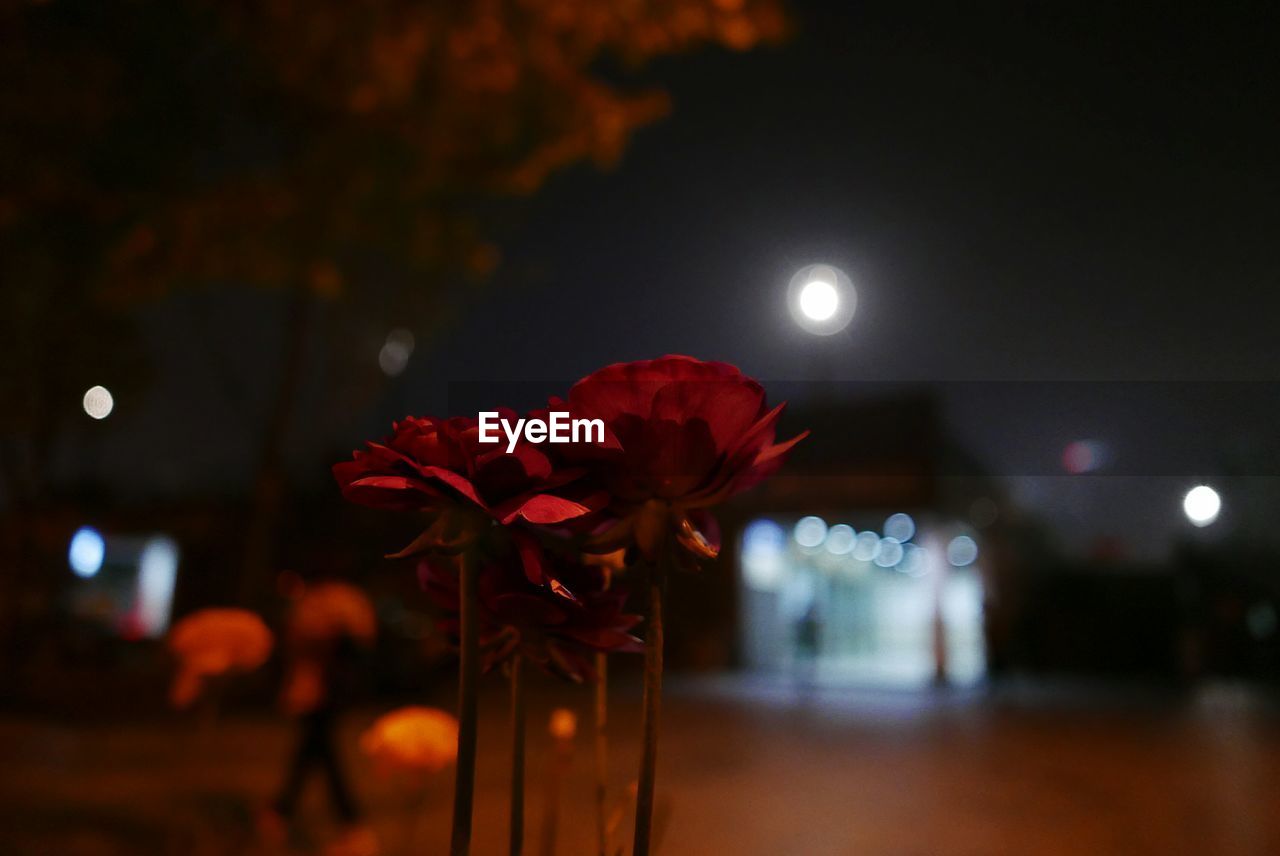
(745, 768)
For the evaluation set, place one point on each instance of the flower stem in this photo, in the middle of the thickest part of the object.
(468, 679)
(414, 810)
(517, 756)
(557, 771)
(602, 751)
(652, 709)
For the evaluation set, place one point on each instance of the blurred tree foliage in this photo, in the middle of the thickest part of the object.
(347, 151)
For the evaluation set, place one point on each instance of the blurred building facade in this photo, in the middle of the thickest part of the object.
(873, 559)
(881, 556)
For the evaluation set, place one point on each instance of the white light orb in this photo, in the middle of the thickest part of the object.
(900, 526)
(866, 547)
(763, 537)
(764, 545)
(810, 531)
(890, 553)
(1202, 505)
(86, 552)
(962, 551)
(157, 576)
(396, 351)
(840, 539)
(98, 402)
(819, 300)
(822, 299)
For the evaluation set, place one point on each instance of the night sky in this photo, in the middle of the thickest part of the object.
(1027, 195)
(1018, 194)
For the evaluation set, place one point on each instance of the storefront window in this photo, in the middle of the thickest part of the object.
(871, 602)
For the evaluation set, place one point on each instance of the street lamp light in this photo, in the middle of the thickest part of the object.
(1201, 505)
(97, 402)
(822, 299)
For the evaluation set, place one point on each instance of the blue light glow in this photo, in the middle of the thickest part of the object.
(811, 531)
(840, 539)
(157, 574)
(890, 552)
(962, 551)
(900, 527)
(86, 552)
(764, 545)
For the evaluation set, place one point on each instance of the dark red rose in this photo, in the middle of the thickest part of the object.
(682, 436)
(556, 632)
(440, 468)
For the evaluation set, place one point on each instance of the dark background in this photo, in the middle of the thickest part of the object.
(1061, 223)
(1082, 193)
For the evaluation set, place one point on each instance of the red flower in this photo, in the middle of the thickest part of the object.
(557, 632)
(440, 468)
(691, 434)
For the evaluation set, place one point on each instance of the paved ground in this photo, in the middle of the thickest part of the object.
(745, 769)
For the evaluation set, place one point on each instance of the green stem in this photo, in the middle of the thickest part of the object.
(652, 709)
(468, 679)
(517, 756)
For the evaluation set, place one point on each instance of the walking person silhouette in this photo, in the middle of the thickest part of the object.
(329, 626)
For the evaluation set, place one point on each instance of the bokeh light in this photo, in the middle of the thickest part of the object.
(900, 526)
(840, 539)
(412, 740)
(157, 576)
(86, 552)
(1202, 505)
(822, 299)
(810, 531)
(98, 402)
(563, 724)
(819, 300)
(1083, 456)
(867, 546)
(962, 551)
(890, 552)
(396, 351)
(763, 537)
(764, 543)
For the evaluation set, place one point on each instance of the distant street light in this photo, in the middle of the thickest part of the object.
(396, 351)
(819, 300)
(97, 402)
(1201, 505)
(822, 299)
(86, 552)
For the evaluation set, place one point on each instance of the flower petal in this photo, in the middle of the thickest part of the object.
(541, 508)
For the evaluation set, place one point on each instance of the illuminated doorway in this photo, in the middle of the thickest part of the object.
(882, 603)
